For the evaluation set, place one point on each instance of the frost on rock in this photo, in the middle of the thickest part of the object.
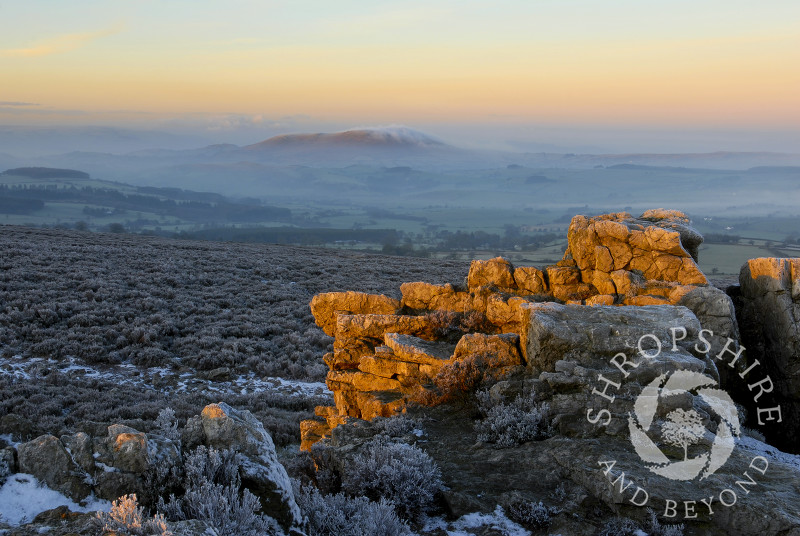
(227, 428)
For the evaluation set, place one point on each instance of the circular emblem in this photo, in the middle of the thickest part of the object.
(683, 428)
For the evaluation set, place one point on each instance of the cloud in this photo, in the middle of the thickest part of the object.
(17, 104)
(60, 44)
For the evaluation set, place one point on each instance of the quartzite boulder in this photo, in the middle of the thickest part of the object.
(122, 458)
(47, 459)
(768, 318)
(658, 246)
(497, 272)
(325, 306)
(227, 428)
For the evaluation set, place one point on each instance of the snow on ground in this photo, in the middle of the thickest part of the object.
(166, 379)
(22, 497)
(497, 520)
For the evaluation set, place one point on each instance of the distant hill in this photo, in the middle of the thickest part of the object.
(46, 173)
(396, 137)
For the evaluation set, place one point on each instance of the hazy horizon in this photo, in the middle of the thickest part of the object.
(516, 76)
(32, 140)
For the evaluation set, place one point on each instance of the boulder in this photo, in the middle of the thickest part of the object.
(500, 350)
(497, 272)
(240, 431)
(660, 245)
(325, 306)
(387, 368)
(768, 319)
(110, 484)
(123, 457)
(80, 447)
(360, 381)
(192, 433)
(46, 459)
(128, 448)
(530, 280)
(417, 350)
(374, 326)
(426, 296)
(555, 330)
(715, 311)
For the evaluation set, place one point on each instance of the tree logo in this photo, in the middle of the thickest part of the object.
(683, 428)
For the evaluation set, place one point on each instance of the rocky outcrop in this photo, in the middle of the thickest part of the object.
(324, 307)
(387, 353)
(653, 255)
(613, 379)
(123, 461)
(122, 457)
(633, 359)
(109, 466)
(46, 458)
(227, 428)
(769, 316)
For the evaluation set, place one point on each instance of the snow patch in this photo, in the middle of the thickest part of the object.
(19, 367)
(496, 520)
(22, 497)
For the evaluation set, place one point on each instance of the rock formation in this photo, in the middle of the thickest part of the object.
(769, 317)
(387, 353)
(625, 344)
(225, 428)
(119, 462)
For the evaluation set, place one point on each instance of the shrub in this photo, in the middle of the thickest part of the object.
(213, 495)
(509, 425)
(655, 528)
(402, 474)
(396, 426)
(340, 515)
(167, 424)
(450, 325)
(620, 526)
(460, 378)
(127, 518)
(531, 515)
(164, 477)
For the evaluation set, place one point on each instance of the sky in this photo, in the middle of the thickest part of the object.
(704, 74)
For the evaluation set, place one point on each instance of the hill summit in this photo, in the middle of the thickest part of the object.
(385, 137)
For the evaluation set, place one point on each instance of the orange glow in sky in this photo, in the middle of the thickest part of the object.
(650, 63)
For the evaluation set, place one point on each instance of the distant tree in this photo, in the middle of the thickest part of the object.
(81, 226)
(116, 228)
